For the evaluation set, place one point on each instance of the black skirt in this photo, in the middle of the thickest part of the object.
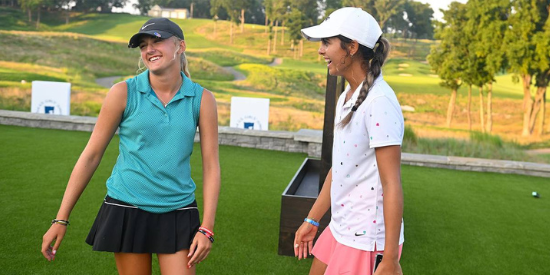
(121, 227)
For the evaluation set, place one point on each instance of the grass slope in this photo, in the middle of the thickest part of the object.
(455, 222)
(295, 87)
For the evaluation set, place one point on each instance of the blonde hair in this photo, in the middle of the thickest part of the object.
(183, 59)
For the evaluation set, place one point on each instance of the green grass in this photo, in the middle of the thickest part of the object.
(308, 66)
(479, 145)
(414, 77)
(455, 222)
(411, 49)
(295, 83)
(545, 157)
(474, 223)
(228, 58)
(241, 195)
(13, 19)
(13, 75)
(204, 69)
(83, 58)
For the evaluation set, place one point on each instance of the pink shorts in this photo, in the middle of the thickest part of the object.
(342, 259)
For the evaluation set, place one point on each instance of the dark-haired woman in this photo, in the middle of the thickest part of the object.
(363, 188)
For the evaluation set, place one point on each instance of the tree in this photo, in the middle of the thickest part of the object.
(143, 6)
(29, 6)
(420, 17)
(241, 6)
(309, 10)
(233, 14)
(105, 6)
(526, 26)
(199, 8)
(386, 9)
(382, 10)
(215, 9)
(331, 5)
(277, 14)
(488, 23)
(367, 5)
(542, 42)
(397, 25)
(448, 57)
(419, 21)
(295, 24)
(63, 5)
(270, 7)
(303, 13)
(255, 13)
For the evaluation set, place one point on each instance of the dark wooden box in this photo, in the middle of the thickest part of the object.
(297, 200)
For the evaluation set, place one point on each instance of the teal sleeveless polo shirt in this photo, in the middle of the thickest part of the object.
(153, 170)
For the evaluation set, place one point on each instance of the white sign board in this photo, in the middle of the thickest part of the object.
(249, 113)
(50, 97)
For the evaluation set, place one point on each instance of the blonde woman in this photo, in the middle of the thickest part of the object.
(150, 205)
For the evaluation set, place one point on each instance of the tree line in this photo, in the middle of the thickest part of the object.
(484, 38)
(400, 18)
(477, 40)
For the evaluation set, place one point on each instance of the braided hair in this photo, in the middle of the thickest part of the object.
(372, 62)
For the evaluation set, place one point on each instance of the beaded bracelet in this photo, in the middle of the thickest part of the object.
(313, 222)
(208, 235)
(62, 222)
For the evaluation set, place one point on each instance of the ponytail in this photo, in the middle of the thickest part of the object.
(373, 60)
(183, 59)
(184, 65)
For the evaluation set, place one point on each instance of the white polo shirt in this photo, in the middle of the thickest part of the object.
(356, 194)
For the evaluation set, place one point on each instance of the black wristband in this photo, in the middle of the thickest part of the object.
(210, 237)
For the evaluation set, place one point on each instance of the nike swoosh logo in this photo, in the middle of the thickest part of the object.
(143, 28)
(359, 234)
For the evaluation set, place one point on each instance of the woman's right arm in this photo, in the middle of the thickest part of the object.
(106, 126)
(303, 240)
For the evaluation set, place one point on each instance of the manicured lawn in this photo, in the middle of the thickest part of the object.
(455, 222)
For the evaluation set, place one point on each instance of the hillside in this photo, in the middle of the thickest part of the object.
(94, 45)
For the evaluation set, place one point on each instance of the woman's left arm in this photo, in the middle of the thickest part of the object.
(208, 131)
(389, 167)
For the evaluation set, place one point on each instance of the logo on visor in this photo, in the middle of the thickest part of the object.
(157, 34)
(143, 28)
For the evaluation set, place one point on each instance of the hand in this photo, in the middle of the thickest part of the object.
(303, 240)
(199, 249)
(389, 267)
(55, 233)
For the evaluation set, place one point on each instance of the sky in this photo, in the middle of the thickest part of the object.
(439, 4)
(435, 4)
